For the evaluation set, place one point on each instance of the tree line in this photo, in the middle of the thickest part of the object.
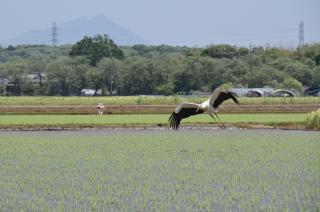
(98, 63)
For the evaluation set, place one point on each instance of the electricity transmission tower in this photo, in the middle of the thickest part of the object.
(301, 34)
(54, 34)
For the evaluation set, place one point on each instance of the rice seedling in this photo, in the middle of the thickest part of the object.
(154, 170)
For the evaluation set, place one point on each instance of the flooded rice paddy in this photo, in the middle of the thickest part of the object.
(160, 169)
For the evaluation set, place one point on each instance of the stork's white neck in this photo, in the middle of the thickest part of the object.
(206, 106)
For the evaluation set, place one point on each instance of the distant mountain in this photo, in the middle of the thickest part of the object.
(73, 31)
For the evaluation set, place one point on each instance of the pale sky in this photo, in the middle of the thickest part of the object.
(176, 22)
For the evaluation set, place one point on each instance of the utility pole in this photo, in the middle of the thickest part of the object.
(40, 83)
(4, 85)
(113, 68)
(3, 80)
(250, 57)
(301, 34)
(111, 74)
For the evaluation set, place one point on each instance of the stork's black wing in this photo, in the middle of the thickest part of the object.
(223, 96)
(175, 118)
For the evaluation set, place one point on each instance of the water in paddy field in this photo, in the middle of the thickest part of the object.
(160, 169)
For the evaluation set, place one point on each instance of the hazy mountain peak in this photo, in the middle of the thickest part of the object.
(100, 16)
(73, 31)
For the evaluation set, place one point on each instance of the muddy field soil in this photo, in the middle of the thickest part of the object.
(153, 109)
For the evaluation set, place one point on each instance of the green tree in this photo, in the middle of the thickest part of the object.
(3, 76)
(310, 51)
(38, 66)
(166, 66)
(106, 76)
(274, 53)
(58, 77)
(237, 73)
(67, 76)
(211, 73)
(316, 76)
(300, 72)
(16, 72)
(242, 51)
(189, 77)
(291, 83)
(78, 76)
(138, 76)
(226, 86)
(222, 51)
(96, 48)
(265, 76)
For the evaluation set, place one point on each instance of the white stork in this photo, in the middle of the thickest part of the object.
(186, 109)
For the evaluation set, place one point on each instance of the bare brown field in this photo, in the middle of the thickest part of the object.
(154, 109)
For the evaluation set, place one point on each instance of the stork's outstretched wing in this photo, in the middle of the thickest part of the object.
(223, 96)
(183, 110)
(215, 95)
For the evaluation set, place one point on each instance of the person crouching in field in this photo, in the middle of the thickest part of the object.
(100, 107)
